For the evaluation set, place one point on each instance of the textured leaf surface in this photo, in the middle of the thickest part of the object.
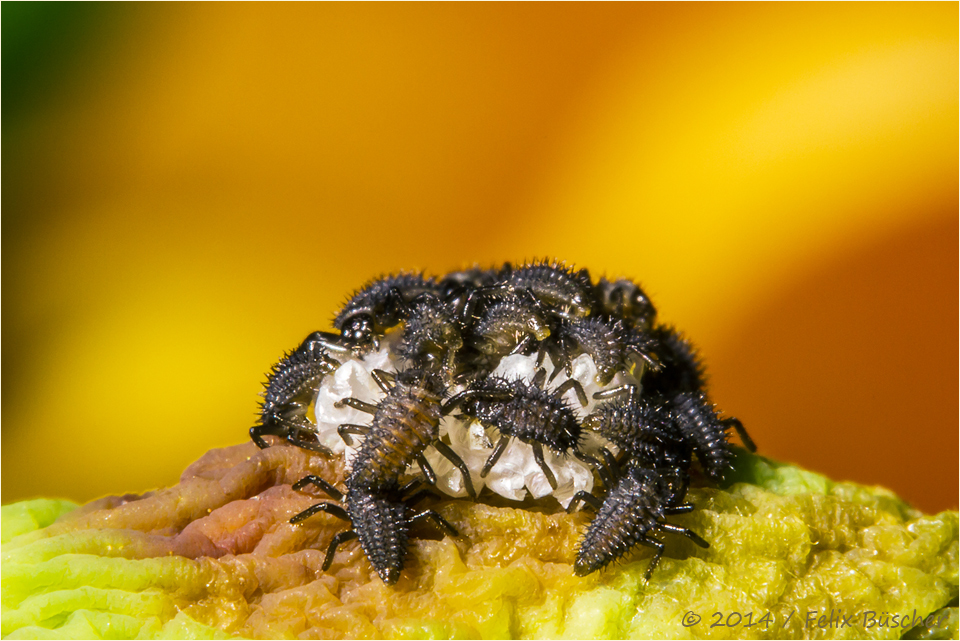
(215, 556)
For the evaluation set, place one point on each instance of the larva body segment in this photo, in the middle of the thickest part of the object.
(631, 513)
(381, 522)
(406, 422)
(290, 388)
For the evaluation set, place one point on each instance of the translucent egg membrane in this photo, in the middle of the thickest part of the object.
(516, 472)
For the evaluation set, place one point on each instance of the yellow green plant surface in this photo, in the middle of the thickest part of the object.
(792, 555)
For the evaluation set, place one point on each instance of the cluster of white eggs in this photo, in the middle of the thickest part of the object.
(516, 473)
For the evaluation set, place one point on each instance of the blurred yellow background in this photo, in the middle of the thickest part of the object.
(190, 189)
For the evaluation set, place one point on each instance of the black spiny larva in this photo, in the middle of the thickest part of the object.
(609, 342)
(629, 515)
(680, 380)
(375, 308)
(561, 291)
(405, 423)
(625, 299)
(291, 387)
(700, 426)
(508, 323)
(680, 367)
(456, 287)
(381, 521)
(525, 411)
(567, 293)
(643, 427)
(431, 337)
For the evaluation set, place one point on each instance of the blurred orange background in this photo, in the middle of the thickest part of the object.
(190, 189)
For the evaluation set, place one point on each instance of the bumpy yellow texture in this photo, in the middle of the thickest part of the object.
(792, 555)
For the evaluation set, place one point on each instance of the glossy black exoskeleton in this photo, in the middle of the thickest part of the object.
(524, 411)
(431, 337)
(567, 293)
(660, 430)
(701, 427)
(643, 427)
(680, 380)
(374, 308)
(508, 323)
(680, 367)
(291, 387)
(558, 290)
(381, 521)
(624, 299)
(405, 423)
(612, 345)
(456, 287)
(629, 515)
